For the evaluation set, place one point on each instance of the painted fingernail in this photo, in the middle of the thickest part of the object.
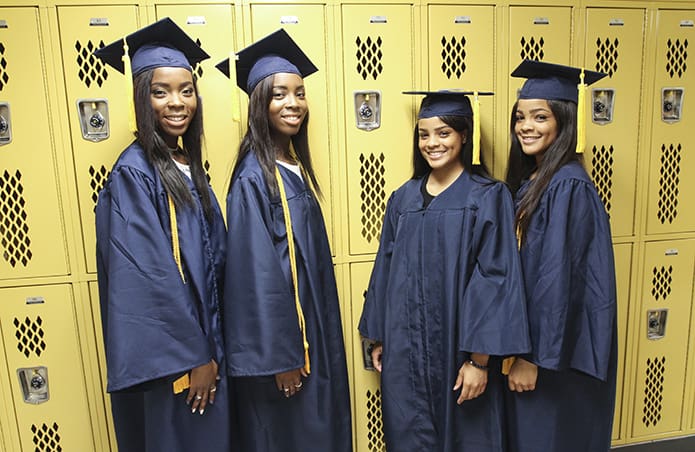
(201, 412)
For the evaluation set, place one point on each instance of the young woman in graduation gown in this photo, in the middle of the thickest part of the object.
(445, 298)
(160, 260)
(282, 317)
(564, 390)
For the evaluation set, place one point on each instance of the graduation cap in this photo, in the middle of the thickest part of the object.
(557, 82)
(161, 44)
(448, 102)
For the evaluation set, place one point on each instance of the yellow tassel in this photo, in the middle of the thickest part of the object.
(581, 113)
(132, 123)
(476, 129)
(176, 249)
(236, 116)
(293, 268)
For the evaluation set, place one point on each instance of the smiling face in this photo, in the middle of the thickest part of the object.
(288, 106)
(535, 127)
(440, 145)
(174, 102)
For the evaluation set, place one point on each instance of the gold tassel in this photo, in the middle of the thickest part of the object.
(476, 129)
(176, 249)
(581, 113)
(132, 123)
(236, 116)
(293, 268)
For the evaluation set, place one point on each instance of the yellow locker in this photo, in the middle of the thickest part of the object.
(378, 55)
(367, 391)
(461, 55)
(672, 160)
(623, 260)
(663, 326)
(95, 95)
(32, 235)
(614, 40)
(41, 350)
(213, 28)
(306, 25)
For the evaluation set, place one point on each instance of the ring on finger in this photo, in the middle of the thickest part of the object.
(298, 385)
(198, 397)
(213, 389)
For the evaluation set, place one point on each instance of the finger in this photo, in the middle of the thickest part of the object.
(303, 372)
(203, 403)
(197, 398)
(211, 395)
(459, 381)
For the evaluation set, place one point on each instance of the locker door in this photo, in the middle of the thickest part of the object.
(461, 55)
(41, 349)
(212, 26)
(82, 31)
(377, 58)
(614, 46)
(367, 390)
(672, 157)
(32, 235)
(623, 259)
(306, 25)
(666, 291)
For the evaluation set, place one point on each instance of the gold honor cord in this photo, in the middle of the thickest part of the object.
(175, 237)
(293, 267)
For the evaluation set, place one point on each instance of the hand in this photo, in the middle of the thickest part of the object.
(203, 386)
(290, 382)
(522, 376)
(377, 351)
(471, 380)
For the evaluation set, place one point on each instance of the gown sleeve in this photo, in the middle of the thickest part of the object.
(492, 312)
(150, 317)
(262, 332)
(371, 324)
(572, 301)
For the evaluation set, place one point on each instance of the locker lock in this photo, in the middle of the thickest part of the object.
(671, 104)
(602, 105)
(5, 124)
(93, 116)
(34, 384)
(656, 323)
(367, 109)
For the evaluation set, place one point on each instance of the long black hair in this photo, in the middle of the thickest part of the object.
(158, 153)
(560, 152)
(259, 141)
(463, 125)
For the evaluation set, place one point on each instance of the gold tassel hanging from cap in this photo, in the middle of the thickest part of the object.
(236, 116)
(132, 123)
(476, 129)
(581, 114)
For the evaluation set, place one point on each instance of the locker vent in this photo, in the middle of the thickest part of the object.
(206, 168)
(653, 391)
(453, 56)
(14, 230)
(4, 78)
(661, 282)
(46, 438)
(30, 335)
(602, 173)
(97, 179)
(369, 57)
(91, 67)
(668, 183)
(198, 69)
(375, 426)
(676, 54)
(607, 56)
(372, 194)
(532, 49)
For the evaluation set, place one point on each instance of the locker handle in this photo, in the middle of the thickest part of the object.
(656, 323)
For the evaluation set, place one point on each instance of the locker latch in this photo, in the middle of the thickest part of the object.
(602, 101)
(656, 323)
(94, 119)
(367, 109)
(34, 384)
(671, 104)
(5, 124)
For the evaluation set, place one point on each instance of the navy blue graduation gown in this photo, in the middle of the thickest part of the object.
(156, 327)
(569, 274)
(446, 283)
(261, 325)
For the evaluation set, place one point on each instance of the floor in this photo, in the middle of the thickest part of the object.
(674, 445)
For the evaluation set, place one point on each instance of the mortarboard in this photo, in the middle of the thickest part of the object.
(557, 82)
(453, 103)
